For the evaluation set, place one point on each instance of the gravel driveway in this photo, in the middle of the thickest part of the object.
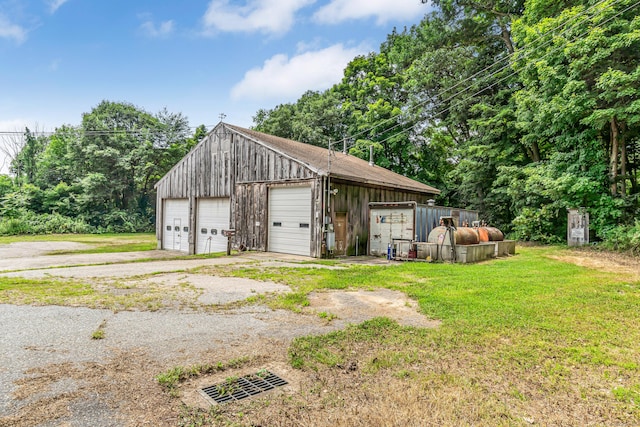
(53, 373)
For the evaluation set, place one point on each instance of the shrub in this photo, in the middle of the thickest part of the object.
(624, 238)
(31, 223)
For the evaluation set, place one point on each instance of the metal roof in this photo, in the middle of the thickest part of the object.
(343, 166)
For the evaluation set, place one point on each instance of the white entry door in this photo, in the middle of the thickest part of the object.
(176, 225)
(213, 217)
(290, 220)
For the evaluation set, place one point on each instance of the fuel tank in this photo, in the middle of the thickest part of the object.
(463, 236)
(489, 234)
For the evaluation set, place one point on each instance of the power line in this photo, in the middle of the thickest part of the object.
(499, 81)
(101, 132)
(528, 51)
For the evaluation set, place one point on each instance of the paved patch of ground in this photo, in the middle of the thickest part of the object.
(53, 373)
(358, 306)
(48, 261)
(220, 290)
(31, 249)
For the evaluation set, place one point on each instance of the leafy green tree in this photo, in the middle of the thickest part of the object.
(6, 185)
(315, 119)
(102, 171)
(580, 104)
(25, 164)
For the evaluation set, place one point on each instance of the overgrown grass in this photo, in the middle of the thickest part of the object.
(116, 296)
(101, 243)
(523, 340)
(173, 377)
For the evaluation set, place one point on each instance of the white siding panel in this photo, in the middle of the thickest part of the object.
(213, 217)
(387, 224)
(176, 225)
(290, 220)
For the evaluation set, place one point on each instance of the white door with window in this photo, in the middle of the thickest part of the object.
(175, 229)
(213, 217)
(290, 220)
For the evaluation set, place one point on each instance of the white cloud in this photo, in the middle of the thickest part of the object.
(265, 16)
(54, 5)
(383, 10)
(9, 30)
(282, 78)
(150, 29)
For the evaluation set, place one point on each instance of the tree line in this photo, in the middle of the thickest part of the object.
(519, 109)
(96, 177)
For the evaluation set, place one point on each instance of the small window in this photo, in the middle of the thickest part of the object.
(277, 224)
(168, 228)
(214, 231)
(176, 228)
(185, 229)
(304, 225)
(203, 231)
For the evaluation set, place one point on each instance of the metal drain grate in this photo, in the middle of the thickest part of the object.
(243, 387)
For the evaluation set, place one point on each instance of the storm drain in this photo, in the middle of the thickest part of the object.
(233, 389)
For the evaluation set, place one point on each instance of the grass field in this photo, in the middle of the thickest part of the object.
(523, 341)
(101, 243)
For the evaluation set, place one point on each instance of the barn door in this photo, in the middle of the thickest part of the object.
(176, 225)
(290, 220)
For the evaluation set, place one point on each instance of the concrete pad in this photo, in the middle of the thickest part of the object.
(220, 290)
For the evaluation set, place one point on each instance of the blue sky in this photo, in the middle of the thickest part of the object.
(60, 58)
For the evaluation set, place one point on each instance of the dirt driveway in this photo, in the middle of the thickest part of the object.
(53, 373)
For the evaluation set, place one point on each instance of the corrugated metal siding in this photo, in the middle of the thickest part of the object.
(427, 218)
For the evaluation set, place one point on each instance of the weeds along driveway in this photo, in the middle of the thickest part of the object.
(53, 371)
(49, 358)
(29, 260)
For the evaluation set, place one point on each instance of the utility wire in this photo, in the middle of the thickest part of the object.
(499, 81)
(529, 49)
(101, 132)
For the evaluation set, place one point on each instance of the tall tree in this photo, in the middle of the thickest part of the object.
(580, 101)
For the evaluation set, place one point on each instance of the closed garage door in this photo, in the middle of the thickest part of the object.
(176, 225)
(213, 217)
(290, 220)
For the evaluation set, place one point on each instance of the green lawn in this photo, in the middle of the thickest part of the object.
(523, 340)
(102, 243)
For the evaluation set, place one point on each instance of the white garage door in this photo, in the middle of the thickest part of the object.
(175, 229)
(290, 220)
(213, 217)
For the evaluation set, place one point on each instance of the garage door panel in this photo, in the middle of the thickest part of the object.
(176, 225)
(213, 217)
(290, 220)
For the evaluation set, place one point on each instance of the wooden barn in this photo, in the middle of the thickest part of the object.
(277, 194)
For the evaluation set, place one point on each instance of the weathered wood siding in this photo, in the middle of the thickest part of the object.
(354, 200)
(261, 164)
(259, 169)
(228, 164)
(204, 172)
(249, 216)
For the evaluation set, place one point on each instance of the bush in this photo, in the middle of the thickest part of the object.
(124, 222)
(539, 225)
(31, 223)
(624, 238)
